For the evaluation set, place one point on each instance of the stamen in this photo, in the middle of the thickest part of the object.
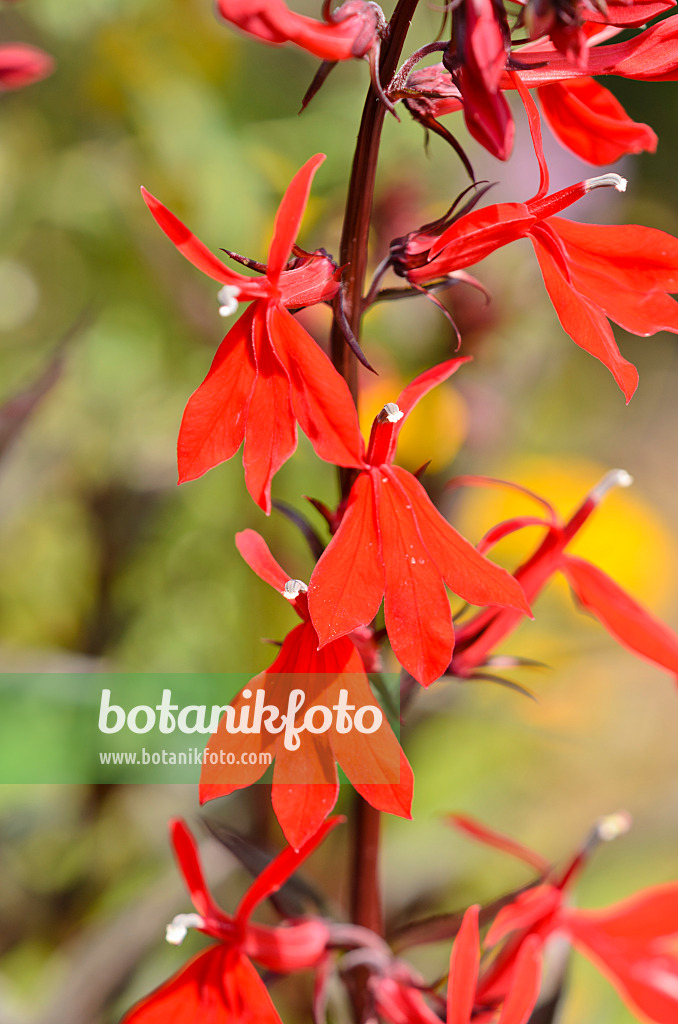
(390, 414)
(294, 587)
(177, 929)
(615, 478)
(606, 181)
(613, 825)
(228, 298)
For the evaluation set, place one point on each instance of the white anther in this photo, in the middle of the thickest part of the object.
(609, 180)
(176, 930)
(228, 299)
(390, 413)
(294, 587)
(615, 478)
(614, 825)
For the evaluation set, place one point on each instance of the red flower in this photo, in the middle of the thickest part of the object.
(353, 30)
(268, 373)
(393, 543)
(626, 620)
(305, 786)
(633, 942)
(593, 273)
(21, 65)
(220, 985)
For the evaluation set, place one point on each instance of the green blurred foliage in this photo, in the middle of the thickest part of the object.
(104, 562)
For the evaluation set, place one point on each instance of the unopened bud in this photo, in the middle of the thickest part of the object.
(609, 180)
(390, 414)
(176, 930)
(294, 587)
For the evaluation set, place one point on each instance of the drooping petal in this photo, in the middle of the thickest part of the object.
(464, 964)
(643, 259)
(416, 606)
(591, 122)
(585, 323)
(487, 115)
(216, 987)
(271, 432)
(198, 254)
(628, 622)
(213, 425)
(300, 805)
(320, 397)
(412, 394)
(186, 852)
(347, 584)
(256, 553)
(468, 573)
(289, 216)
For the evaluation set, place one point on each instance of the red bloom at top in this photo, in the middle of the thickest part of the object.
(220, 985)
(21, 65)
(593, 273)
(393, 543)
(305, 785)
(268, 373)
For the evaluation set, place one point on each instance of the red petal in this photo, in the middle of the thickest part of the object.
(197, 253)
(321, 399)
(347, 584)
(425, 382)
(186, 852)
(581, 319)
(213, 425)
(591, 122)
(216, 987)
(487, 115)
(642, 259)
(464, 964)
(628, 622)
(464, 569)
(289, 216)
(645, 917)
(271, 433)
(282, 867)
(631, 15)
(525, 984)
(528, 911)
(21, 65)
(416, 607)
(256, 553)
(473, 237)
(489, 837)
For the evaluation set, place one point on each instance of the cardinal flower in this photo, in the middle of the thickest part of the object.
(221, 985)
(393, 544)
(21, 65)
(593, 273)
(633, 942)
(305, 786)
(268, 373)
(626, 620)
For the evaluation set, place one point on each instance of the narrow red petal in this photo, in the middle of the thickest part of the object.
(526, 912)
(585, 323)
(271, 432)
(320, 397)
(468, 573)
(186, 852)
(482, 834)
(628, 622)
(464, 964)
(416, 606)
(196, 252)
(525, 984)
(218, 777)
(256, 553)
(413, 393)
(347, 584)
(213, 425)
(289, 216)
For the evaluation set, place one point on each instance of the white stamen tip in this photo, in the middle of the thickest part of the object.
(609, 180)
(176, 930)
(390, 413)
(614, 825)
(615, 478)
(294, 587)
(228, 299)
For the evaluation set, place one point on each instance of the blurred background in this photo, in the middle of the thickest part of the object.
(106, 565)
